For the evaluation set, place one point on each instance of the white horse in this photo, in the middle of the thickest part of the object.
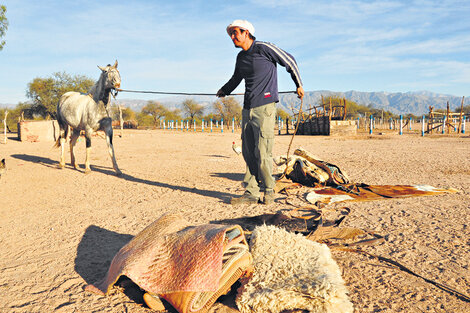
(88, 112)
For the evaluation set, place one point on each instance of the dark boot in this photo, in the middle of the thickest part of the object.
(269, 197)
(245, 198)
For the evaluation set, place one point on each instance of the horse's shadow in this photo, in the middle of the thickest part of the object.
(223, 196)
(36, 159)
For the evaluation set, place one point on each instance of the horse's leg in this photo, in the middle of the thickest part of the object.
(88, 151)
(73, 141)
(108, 129)
(64, 129)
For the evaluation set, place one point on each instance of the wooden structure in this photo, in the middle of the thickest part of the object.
(35, 131)
(326, 119)
(447, 121)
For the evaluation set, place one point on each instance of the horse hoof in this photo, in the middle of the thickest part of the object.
(87, 171)
(119, 173)
(61, 166)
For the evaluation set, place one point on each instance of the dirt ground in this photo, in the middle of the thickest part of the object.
(61, 228)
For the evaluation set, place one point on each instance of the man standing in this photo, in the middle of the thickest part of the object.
(257, 65)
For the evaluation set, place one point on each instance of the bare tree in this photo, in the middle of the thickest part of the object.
(156, 110)
(228, 108)
(192, 109)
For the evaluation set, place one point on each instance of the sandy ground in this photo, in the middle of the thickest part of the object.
(61, 228)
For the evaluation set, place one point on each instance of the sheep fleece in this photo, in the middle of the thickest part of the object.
(291, 272)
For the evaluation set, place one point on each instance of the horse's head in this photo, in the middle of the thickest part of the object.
(111, 76)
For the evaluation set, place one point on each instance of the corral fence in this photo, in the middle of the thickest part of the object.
(446, 121)
(326, 119)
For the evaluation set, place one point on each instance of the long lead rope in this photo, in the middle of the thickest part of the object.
(213, 94)
(395, 264)
(185, 93)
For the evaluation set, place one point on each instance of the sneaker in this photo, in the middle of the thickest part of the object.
(269, 197)
(245, 198)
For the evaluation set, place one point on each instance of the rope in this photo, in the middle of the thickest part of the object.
(292, 138)
(399, 266)
(186, 93)
(213, 94)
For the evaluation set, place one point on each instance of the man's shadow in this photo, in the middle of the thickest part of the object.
(225, 197)
(96, 251)
(231, 176)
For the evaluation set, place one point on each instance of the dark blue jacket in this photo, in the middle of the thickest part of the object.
(258, 67)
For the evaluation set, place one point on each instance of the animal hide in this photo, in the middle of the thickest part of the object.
(363, 192)
(309, 170)
(291, 273)
(169, 255)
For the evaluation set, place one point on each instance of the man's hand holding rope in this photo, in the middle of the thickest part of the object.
(300, 92)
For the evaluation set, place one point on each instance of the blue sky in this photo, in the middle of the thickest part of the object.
(182, 46)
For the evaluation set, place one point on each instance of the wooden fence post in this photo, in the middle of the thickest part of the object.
(121, 121)
(430, 120)
(401, 124)
(460, 115)
(447, 119)
(5, 127)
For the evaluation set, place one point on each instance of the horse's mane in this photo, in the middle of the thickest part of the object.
(98, 91)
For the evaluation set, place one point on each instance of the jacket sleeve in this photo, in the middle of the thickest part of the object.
(283, 58)
(233, 82)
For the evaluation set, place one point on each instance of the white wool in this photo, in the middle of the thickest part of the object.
(291, 272)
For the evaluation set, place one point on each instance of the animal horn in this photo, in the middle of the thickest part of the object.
(115, 64)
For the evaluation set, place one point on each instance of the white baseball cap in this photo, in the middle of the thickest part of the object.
(243, 24)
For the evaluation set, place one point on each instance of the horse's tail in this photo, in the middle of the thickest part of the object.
(63, 129)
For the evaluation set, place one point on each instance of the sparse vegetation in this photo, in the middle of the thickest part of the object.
(3, 25)
(227, 108)
(46, 92)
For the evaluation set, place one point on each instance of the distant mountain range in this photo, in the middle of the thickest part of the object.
(416, 103)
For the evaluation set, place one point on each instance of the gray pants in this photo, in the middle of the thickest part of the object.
(257, 146)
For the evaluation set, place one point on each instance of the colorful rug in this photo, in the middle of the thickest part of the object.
(170, 255)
